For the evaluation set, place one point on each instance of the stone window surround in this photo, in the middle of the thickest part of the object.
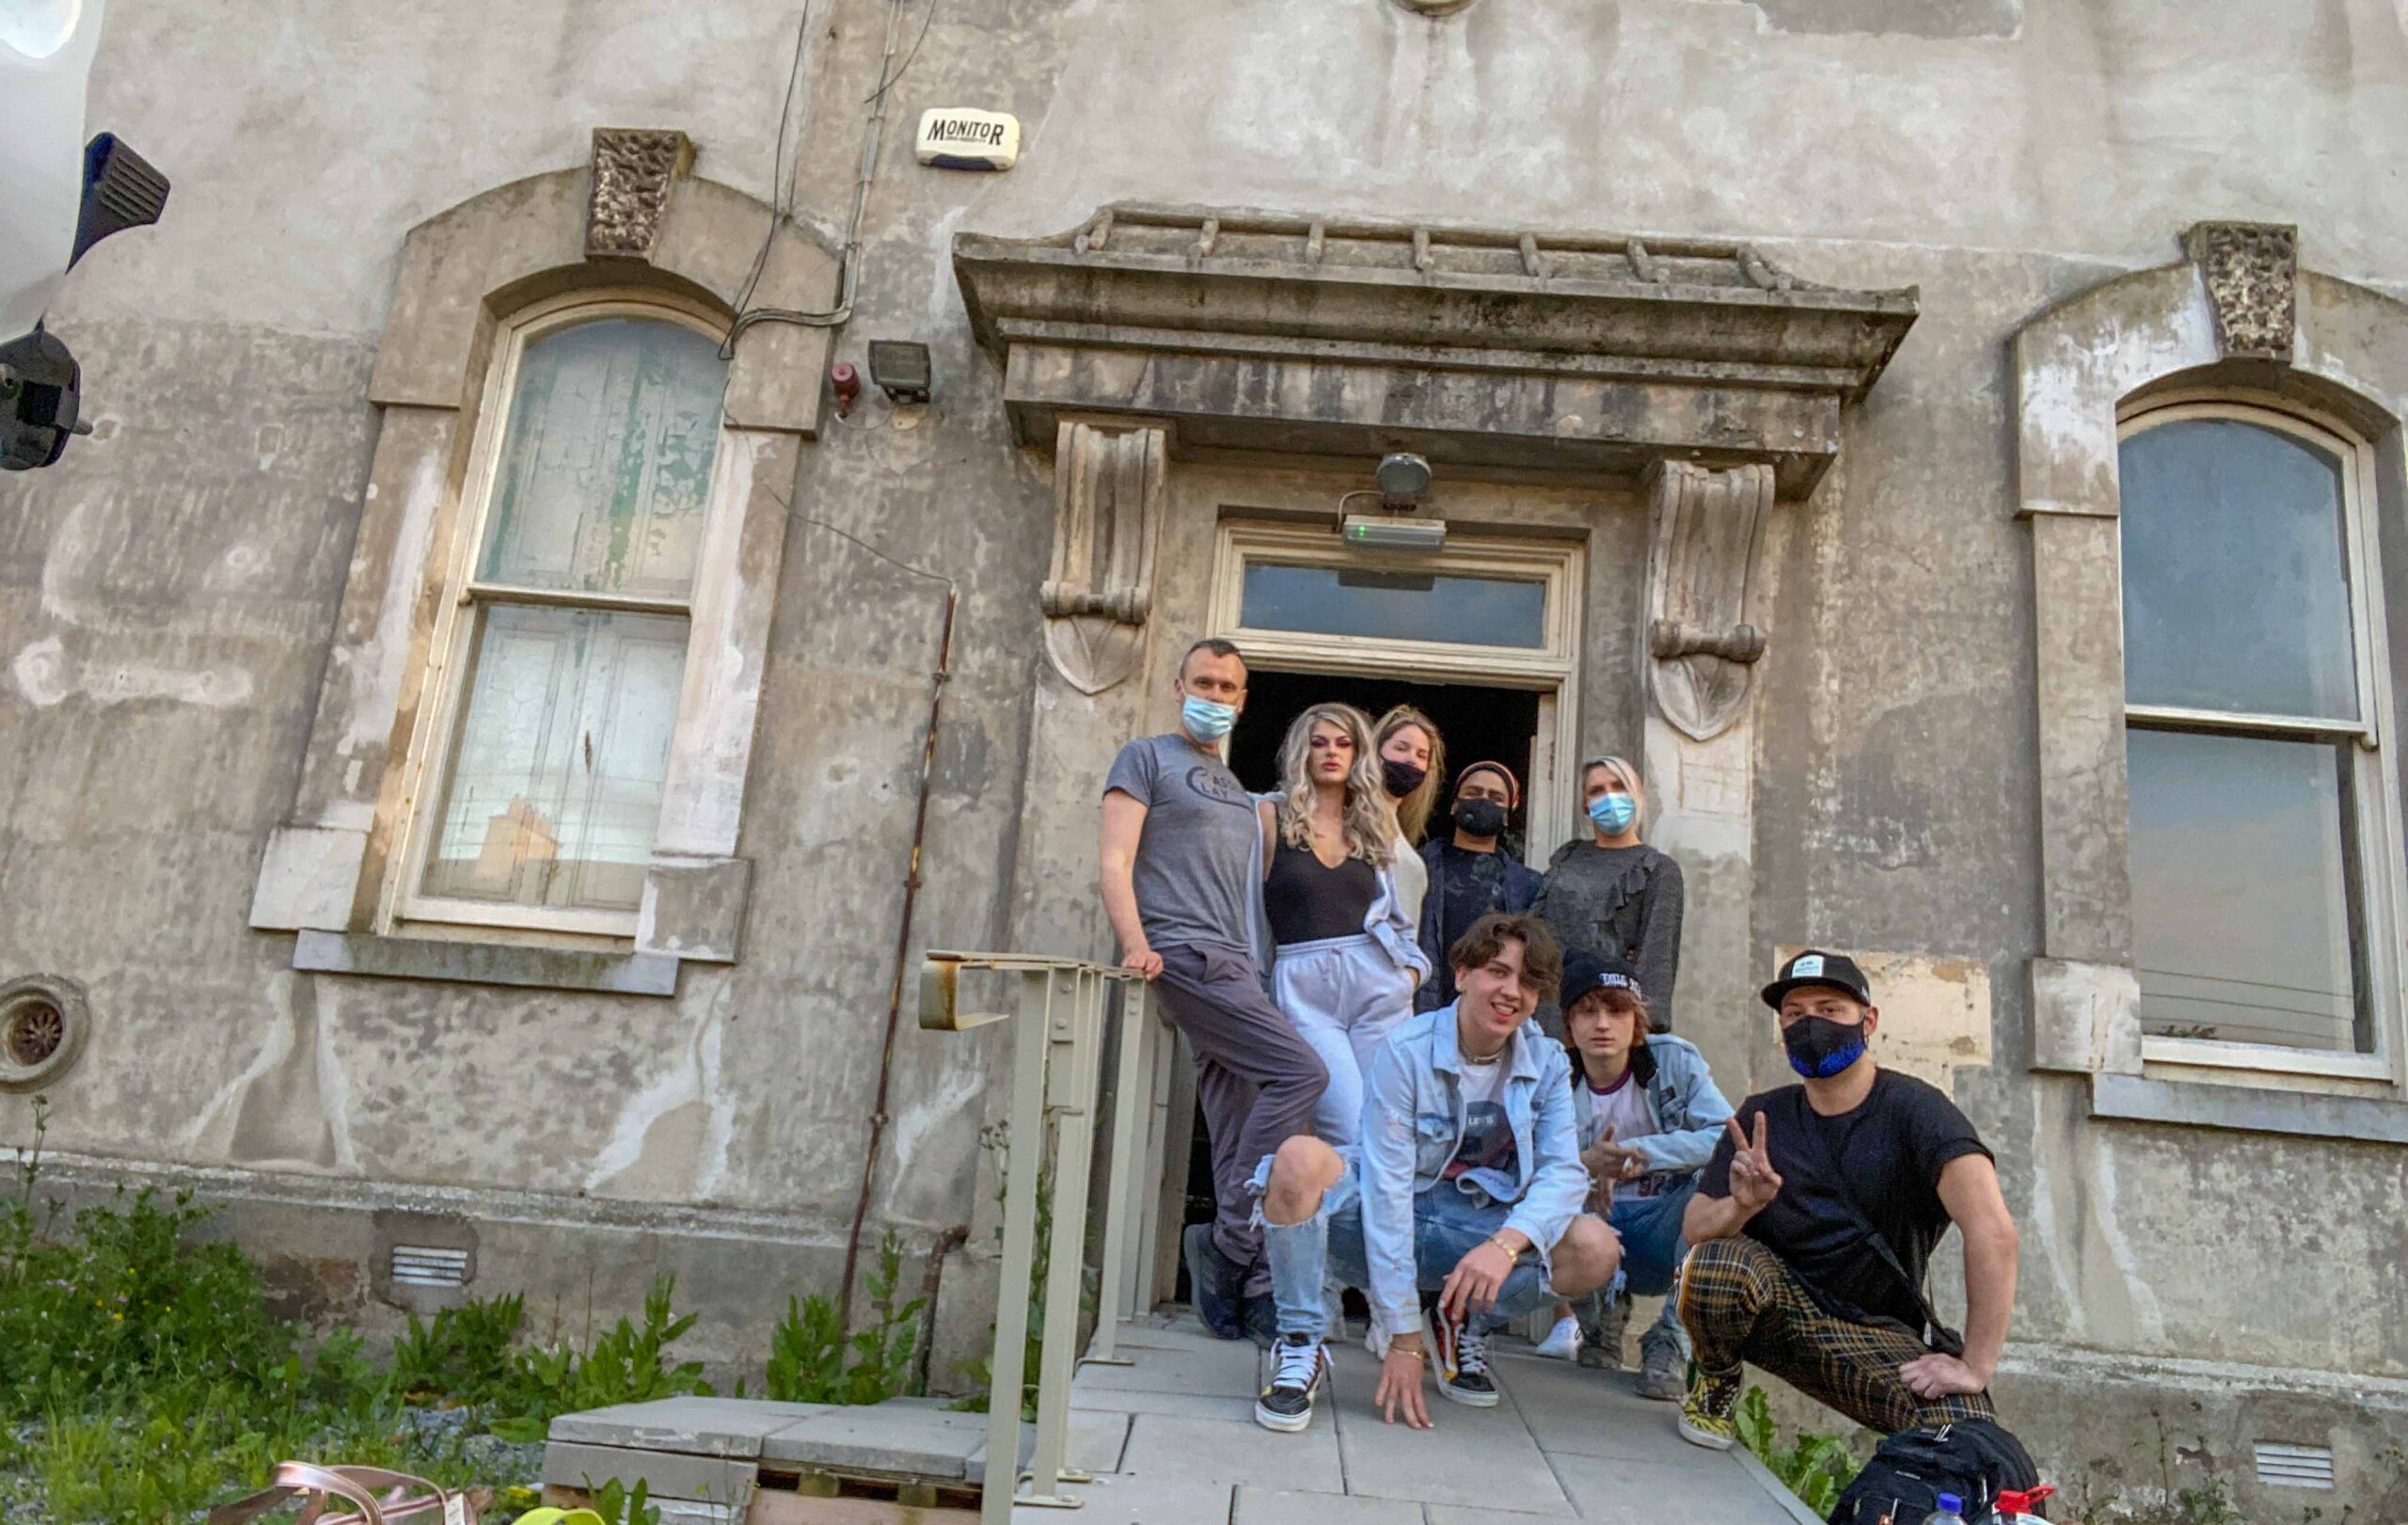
(463, 275)
(2194, 329)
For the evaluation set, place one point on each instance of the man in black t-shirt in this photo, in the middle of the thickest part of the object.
(1813, 1224)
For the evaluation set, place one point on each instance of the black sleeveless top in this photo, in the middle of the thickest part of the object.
(1307, 902)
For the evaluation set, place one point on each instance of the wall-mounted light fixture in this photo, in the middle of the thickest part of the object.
(901, 367)
(1403, 487)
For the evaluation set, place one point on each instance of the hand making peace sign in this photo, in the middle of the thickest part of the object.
(1753, 1181)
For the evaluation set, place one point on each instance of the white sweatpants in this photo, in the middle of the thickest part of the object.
(1343, 996)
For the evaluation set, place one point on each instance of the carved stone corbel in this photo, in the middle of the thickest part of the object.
(1109, 482)
(2251, 271)
(1706, 529)
(634, 171)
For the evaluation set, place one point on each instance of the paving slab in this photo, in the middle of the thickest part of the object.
(1590, 1413)
(905, 1436)
(1096, 1441)
(1163, 1449)
(1237, 1405)
(1614, 1491)
(1122, 1500)
(1476, 1456)
(698, 1426)
(1203, 1364)
(1274, 1506)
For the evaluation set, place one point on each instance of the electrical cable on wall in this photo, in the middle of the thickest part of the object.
(747, 316)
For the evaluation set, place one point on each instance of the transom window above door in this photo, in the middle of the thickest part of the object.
(2263, 849)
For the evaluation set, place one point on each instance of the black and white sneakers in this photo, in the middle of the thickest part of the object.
(1463, 1362)
(1299, 1365)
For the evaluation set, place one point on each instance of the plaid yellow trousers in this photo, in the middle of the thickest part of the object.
(1740, 1304)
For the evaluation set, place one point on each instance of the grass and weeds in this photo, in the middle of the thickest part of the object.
(143, 1379)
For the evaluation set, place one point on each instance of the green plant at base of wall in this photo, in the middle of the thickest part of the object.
(1816, 1468)
(812, 1361)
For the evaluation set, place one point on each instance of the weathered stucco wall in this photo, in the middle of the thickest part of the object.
(167, 594)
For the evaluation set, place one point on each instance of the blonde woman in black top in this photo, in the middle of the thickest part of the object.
(1346, 959)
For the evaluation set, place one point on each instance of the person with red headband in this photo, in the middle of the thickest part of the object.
(1471, 873)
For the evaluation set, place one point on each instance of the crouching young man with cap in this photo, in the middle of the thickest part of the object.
(1467, 1182)
(1647, 1114)
(1814, 1222)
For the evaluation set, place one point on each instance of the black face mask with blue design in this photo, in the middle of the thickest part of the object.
(1819, 1048)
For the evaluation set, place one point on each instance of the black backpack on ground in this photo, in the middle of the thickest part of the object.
(1974, 1459)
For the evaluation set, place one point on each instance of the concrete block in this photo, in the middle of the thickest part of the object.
(1201, 1452)
(1230, 1366)
(1238, 1407)
(694, 910)
(902, 1436)
(484, 964)
(307, 877)
(694, 1426)
(2085, 1017)
(667, 1473)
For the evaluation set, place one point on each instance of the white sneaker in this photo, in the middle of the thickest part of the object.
(1563, 1342)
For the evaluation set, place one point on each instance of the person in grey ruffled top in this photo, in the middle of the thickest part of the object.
(1613, 894)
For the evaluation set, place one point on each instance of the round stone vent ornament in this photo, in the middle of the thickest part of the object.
(1435, 8)
(42, 1022)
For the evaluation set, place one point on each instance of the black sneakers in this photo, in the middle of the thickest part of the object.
(1214, 1282)
(1463, 1362)
(1299, 1365)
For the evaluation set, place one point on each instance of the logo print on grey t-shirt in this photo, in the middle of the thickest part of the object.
(1218, 784)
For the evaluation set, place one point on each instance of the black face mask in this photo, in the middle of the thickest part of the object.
(1479, 817)
(1401, 778)
(1820, 1048)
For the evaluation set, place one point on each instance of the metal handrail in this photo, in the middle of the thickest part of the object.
(1058, 1064)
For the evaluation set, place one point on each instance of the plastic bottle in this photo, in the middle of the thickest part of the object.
(1951, 1512)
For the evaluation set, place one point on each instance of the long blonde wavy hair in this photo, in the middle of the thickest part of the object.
(1413, 811)
(1369, 824)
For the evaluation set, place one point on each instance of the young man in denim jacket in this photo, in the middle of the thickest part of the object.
(1648, 1116)
(1467, 1182)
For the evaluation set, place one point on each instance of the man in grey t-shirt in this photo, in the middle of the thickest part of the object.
(1180, 872)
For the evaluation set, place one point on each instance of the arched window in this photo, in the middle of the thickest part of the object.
(2251, 726)
(587, 501)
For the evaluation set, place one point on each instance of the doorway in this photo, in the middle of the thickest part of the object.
(1478, 723)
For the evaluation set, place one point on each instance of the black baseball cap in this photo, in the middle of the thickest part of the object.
(1584, 971)
(1834, 971)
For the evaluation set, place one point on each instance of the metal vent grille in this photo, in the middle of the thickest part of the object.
(420, 1266)
(2294, 1466)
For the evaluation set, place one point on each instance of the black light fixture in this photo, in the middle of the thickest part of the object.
(901, 369)
(1404, 487)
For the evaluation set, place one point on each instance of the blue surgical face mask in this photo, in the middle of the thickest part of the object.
(1613, 812)
(1207, 720)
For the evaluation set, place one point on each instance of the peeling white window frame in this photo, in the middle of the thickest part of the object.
(402, 905)
(2380, 859)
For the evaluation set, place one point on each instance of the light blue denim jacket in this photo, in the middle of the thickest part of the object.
(1681, 1094)
(1413, 1122)
(1385, 923)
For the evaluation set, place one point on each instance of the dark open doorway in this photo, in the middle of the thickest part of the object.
(1476, 723)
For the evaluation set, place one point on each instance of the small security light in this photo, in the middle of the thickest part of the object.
(901, 368)
(1404, 480)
